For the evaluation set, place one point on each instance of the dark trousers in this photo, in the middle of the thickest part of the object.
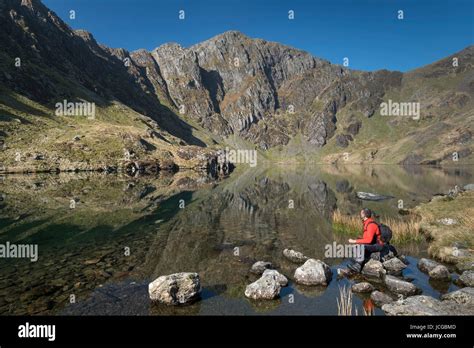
(372, 248)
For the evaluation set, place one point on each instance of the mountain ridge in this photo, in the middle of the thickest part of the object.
(239, 91)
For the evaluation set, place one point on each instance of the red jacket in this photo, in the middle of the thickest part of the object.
(371, 233)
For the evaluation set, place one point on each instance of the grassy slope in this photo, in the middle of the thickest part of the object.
(442, 236)
(29, 128)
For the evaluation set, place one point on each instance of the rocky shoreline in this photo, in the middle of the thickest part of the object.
(394, 294)
(186, 158)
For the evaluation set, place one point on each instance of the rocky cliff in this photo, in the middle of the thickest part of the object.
(266, 94)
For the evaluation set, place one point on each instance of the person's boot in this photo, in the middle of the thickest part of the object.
(355, 267)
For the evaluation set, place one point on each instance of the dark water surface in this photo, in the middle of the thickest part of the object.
(121, 233)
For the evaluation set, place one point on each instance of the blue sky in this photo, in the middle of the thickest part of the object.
(366, 31)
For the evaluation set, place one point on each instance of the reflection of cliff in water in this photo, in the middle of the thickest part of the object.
(223, 231)
(223, 228)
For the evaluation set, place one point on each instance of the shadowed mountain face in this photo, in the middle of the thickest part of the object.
(58, 63)
(265, 93)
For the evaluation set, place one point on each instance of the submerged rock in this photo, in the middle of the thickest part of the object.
(175, 289)
(467, 278)
(313, 272)
(362, 287)
(368, 196)
(399, 286)
(294, 256)
(394, 266)
(281, 279)
(266, 288)
(440, 272)
(426, 265)
(380, 299)
(462, 296)
(260, 266)
(425, 305)
(374, 269)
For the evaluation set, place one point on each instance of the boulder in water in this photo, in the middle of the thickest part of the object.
(440, 272)
(399, 286)
(175, 289)
(373, 269)
(426, 265)
(313, 272)
(266, 287)
(394, 266)
(362, 287)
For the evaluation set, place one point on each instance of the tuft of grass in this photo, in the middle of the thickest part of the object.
(344, 301)
(404, 230)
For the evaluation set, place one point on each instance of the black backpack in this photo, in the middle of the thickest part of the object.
(385, 232)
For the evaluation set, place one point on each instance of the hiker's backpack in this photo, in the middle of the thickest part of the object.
(385, 232)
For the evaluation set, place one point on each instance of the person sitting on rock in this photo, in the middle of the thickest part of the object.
(371, 239)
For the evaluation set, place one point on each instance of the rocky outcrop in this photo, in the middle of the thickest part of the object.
(465, 266)
(426, 305)
(467, 278)
(175, 289)
(313, 272)
(264, 92)
(463, 296)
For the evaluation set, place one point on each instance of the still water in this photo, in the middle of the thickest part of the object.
(102, 238)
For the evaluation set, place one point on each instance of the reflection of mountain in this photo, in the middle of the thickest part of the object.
(256, 220)
(83, 248)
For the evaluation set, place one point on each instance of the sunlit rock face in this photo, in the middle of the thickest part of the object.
(264, 91)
